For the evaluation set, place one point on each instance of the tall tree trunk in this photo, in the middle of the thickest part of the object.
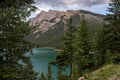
(70, 71)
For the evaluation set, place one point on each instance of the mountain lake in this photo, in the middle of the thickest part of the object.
(40, 57)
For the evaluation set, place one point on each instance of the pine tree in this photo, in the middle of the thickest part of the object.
(83, 59)
(82, 36)
(59, 73)
(14, 27)
(66, 57)
(68, 43)
(99, 45)
(49, 72)
(112, 29)
(42, 77)
(109, 40)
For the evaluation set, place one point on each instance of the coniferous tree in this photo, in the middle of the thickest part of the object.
(66, 56)
(83, 58)
(110, 35)
(59, 73)
(68, 43)
(61, 62)
(112, 28)
(14, 27)
(99, 45)
(75, 75)
(42, 77)
(49, 71)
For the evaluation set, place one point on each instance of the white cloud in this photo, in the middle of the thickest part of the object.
(67, 4)
(63, 5)
(44, 6)
(69, 1)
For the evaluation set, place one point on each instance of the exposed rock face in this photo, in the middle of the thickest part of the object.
(46, 20)
(51, 25)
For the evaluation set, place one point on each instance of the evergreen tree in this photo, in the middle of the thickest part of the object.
(99, 45)
(112, 28)
(49, 72)
(109, 39)
(59, 73)
(13, 28)
(61, 59)
(65, 58)
(75, 75)
(84, 59)
(82, 36)
(68, 42)
(61, 62)
(42, 77)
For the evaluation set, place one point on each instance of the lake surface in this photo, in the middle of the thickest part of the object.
(40, 58)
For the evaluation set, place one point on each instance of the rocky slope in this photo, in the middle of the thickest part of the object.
(49, 26)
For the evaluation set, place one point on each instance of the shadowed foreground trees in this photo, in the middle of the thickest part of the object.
(66, 57)
(13, 28)
(109, 41)
(76, 49)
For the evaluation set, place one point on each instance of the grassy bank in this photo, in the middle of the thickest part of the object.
(108, 72)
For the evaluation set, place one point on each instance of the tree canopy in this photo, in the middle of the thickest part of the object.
(13, 28)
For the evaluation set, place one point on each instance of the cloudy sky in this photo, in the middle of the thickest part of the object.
(98, 6)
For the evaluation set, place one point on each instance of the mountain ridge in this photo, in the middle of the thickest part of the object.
(48, 19)
(54, 22)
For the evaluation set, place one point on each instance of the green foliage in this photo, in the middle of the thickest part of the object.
(106, 72)
(116, 58)
(76, 73)
(82, 37)
(78, 52)
(66, 57)
(61, 59)
(60, 75)
(14, 27)
(51, 38)
(13, 71)
(62, 62)
(68, 43)
(84, 58)
(49, 72)
(108, 42)
(42, 77)
(99, 46)
(112, 29)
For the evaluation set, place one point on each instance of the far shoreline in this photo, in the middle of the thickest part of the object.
(52, 48)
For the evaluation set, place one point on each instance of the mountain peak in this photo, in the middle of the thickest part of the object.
(45, 20)
(52, 24)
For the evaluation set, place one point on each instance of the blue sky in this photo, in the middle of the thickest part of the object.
(101, 9)
(97, 6)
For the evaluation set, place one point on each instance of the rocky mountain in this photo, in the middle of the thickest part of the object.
(49, 26)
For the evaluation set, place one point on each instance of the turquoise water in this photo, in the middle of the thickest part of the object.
(40, 58)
